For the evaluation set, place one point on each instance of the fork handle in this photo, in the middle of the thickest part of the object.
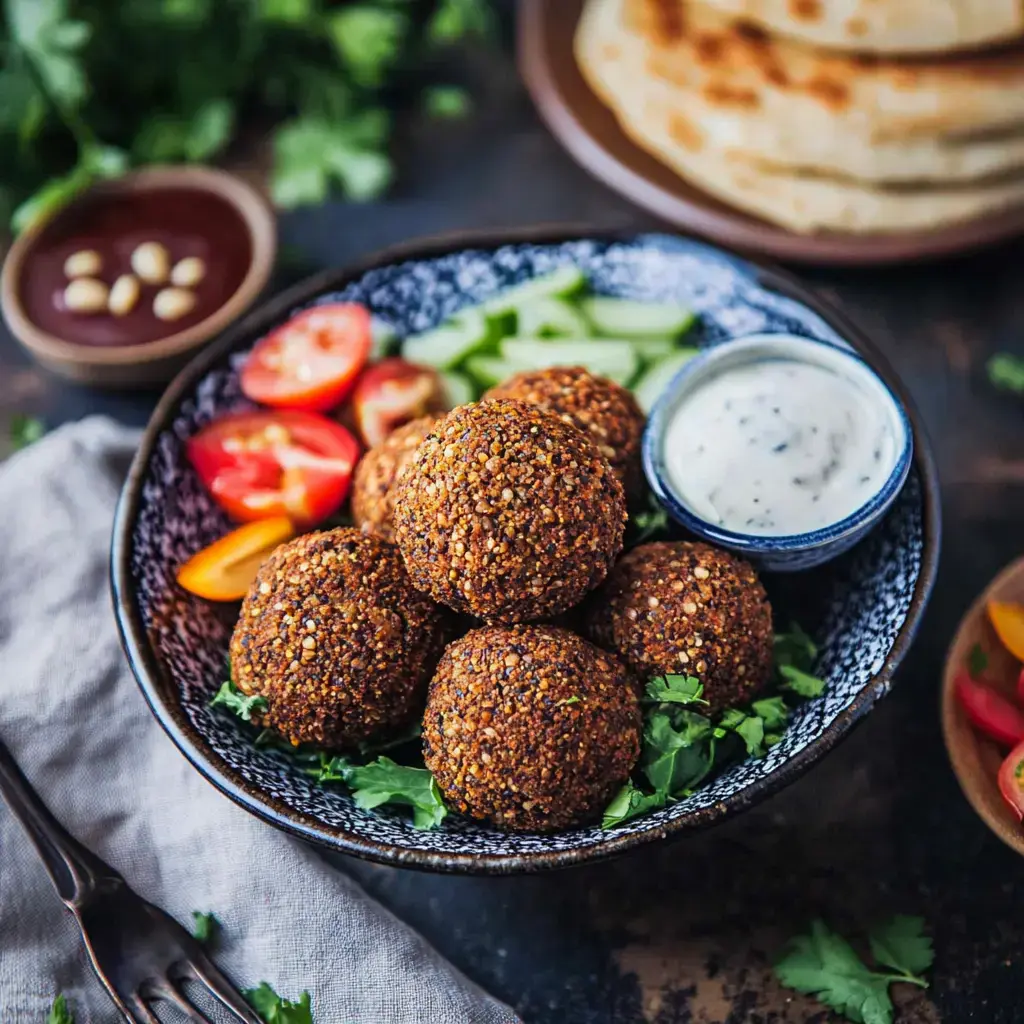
(74, 870)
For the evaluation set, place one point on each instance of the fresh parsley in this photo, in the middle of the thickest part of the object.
(803, 684)
(1006, 372)
(795, 653)
(59, 1012)
(25, 430)
(674, 689)
(232, 698)
(275, 1009)
(205, 927)
(630, 802)
(977, 661)
(825, 965)
(649, 523)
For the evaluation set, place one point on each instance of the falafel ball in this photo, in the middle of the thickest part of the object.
(508, 514)
(530, 727)
(605, 411)
(337, 640)
(691, 609)
(373, 487)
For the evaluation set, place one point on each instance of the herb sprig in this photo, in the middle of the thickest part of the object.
(825, 965)
(275, 1009)
(60, 1013)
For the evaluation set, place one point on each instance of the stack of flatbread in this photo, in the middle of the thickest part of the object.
(822, 115)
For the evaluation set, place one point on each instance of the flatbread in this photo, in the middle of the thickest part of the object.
(885, 26)
(653, 109)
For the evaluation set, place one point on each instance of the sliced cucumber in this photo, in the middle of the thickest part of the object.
(559, 284)
(656, 378)
(458, 389)
(448, 345)
(544, 318)
(487, 371)
(615, 360)
(384, 339)
(626, 318)
(653, 350)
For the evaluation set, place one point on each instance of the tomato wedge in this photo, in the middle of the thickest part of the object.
(391, 393)
(312, 361)
(224, 571)
(1011, 780)
(259, 465)
(990, 711)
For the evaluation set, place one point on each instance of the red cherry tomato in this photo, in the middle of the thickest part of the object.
(288, 463)
(391, 393)
(1020, 688)
(990, 711)
(1011, 780)
(312, 361)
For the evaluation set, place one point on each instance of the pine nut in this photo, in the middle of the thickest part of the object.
(152, 262)
(84, 263)
(123, 295)
(188, 272)
(173, 303)
(85, 295)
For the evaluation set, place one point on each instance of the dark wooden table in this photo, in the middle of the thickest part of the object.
(685, 932)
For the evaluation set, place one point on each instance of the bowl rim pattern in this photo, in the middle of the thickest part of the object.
(156, 687)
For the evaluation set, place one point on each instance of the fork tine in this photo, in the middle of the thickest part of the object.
(169, 991)
(138, 1005)
(206, 972)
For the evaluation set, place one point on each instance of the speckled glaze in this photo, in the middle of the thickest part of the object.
(866, 604)
(793, 552)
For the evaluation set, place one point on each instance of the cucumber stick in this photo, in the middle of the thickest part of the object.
(615, 360)
(656, 378)
(486, 371)
(448, 345)
(559, 284)
(626, 318)
(551, 318)
(458, 389)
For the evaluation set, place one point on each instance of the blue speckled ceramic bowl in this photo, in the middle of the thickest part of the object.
(794, 551)
(862, 608)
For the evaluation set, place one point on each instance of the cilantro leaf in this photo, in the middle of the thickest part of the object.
(674, 689)
(330, 769)
(674, 758)
(275, 1009)
(648, 523)
(59, 1012)
(1006, 372)
(977, 661)
(574, 699)
(772, 711)
(628, 803)
(903, 945)
(824, 965)
(205, 926)
(795, 648)
(25, 430)
(50, 40)
(455, 19)
(295, 12)
(232, 698)
(383, 782)
(368, 41)
(803, 684)
(447, 102)
(750, 728)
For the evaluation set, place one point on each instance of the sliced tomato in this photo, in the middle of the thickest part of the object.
(1011, 780)
(285, 463)
(312, 361)
(225, 570)
(990, 711)
(1020, 688)
(393, 392)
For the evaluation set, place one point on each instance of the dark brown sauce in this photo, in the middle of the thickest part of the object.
(188, 222)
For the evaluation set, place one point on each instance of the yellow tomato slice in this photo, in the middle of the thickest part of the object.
(1008, 621)
(225, 570)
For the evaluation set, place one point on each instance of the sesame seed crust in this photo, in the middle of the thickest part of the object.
(605, 411)
(530, 727)
(507, 513)
(691, 609)
(337, 640)
(373, 487)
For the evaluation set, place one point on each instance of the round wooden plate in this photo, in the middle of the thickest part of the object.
(589, 131)
(975, 758)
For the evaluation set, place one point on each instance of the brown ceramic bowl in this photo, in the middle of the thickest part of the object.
(152, 362)
(591, 135)
(975, 758)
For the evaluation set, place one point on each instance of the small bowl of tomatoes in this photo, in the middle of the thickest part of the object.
(983, 705)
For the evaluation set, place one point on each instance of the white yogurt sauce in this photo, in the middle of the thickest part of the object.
(779, 447)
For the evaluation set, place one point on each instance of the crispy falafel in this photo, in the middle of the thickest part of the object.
(373, 487)
(530, 727)
(691, 609)
(337, 640)
(605, 411)
(507, 513)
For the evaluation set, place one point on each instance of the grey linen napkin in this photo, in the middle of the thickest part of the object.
(81, 731)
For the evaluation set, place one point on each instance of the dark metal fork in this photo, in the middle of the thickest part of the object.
(140, 954)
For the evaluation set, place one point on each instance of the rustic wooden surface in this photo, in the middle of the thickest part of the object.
(684, 932)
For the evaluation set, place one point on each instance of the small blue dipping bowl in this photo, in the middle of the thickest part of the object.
(791, 552)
